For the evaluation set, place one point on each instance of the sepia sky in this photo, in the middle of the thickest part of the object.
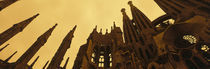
(67, 13)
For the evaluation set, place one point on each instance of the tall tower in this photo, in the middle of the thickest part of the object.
(24, 59)
(141, 21)
(104, 51)
(130, 29)
(6, 3)
(65, 45)
(15, 29)
(138, 34)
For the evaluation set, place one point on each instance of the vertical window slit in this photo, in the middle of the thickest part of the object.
(132, 28)
(148, 55)
(129, 35)
(141, 54)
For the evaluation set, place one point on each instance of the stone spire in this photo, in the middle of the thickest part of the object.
(15, 29)
(95, 29)
(65, 45)
(114, 24)
(111, 28)
(45, 64)
(106, 31)
(100, 31)
(65, 65)
(3, 47)
(32, 64)
(10, 56)
(6, 3)
(139, 18)
(130, 33)
(24, 59)
(145, 30)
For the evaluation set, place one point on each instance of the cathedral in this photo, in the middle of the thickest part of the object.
(180, 39)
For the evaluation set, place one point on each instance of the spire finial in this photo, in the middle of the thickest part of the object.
(130, 3)
(10, 56)
(106, 31)
(36, 15)
(101, 30)
(123, 11)
(114, 24)
(96, 27)
(111, 28)
(74, 27)
(54, 26)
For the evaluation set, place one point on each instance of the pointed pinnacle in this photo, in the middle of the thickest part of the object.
(24, 23)
(33, 17)
(106, 31)
(54, 26)
(101, 30)
(96, 27)
(50, 30)
(114, 25)
(10, 56)
(75, 27)
(36, 15)
(111, 28)
(34, 62)
(3, 47)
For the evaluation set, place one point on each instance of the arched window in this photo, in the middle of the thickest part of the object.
(110, 60)
(134, 24)
(205, 48)
(169, 21)
(93, 57)
(157, 25)
(101, 61)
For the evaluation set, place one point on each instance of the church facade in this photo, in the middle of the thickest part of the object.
(177, 40)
